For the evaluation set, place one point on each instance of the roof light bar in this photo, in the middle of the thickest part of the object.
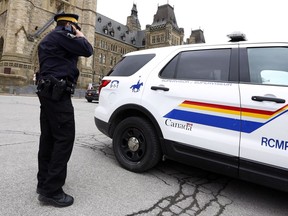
(237, 36)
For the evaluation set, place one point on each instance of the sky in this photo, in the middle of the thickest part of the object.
(259, 20)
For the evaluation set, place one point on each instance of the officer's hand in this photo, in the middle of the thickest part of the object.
(77, 32)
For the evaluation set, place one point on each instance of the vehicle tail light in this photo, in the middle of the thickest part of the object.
(103, 84)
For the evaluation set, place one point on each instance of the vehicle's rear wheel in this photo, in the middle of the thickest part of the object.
(136, 144)
(89, 101)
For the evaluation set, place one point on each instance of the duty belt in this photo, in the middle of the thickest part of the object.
(54, 88)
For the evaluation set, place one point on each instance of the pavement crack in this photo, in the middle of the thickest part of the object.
(89, 141)
(17, 143)
(19, 132)
(14, 132)
(198, 192)
(161, 179)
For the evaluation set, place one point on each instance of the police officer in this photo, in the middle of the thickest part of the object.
(58, 55)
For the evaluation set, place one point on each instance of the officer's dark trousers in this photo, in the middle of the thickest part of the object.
(56, 143)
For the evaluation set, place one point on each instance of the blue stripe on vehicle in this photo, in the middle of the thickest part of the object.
(214, 121)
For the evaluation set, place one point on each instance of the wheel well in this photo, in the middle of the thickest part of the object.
(132, 110)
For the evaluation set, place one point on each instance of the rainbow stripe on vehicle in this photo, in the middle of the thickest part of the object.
(223, 116)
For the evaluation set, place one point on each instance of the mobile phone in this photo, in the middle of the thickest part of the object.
(70, 29)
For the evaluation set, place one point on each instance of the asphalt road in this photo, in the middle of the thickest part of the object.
(102, 188)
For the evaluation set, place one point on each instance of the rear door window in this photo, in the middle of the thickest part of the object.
(210, 65)
(268, 65)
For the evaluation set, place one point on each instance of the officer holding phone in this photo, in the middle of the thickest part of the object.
(58, 55)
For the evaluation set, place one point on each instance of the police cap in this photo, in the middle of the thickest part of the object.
(73, 18)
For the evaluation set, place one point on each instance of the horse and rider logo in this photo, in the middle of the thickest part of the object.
(136, 87)
(114, 84)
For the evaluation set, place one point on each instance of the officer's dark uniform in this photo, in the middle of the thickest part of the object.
(58, 55)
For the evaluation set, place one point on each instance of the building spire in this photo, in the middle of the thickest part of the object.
(134, 11)
(132, 21)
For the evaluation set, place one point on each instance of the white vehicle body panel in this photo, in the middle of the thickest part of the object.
(265, 137)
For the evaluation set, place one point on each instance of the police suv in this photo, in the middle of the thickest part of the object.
(218, 107)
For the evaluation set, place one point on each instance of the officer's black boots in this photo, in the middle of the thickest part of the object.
(59, 200)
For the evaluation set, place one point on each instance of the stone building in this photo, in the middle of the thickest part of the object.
(114, 39)
(164, 30)
(23, 23)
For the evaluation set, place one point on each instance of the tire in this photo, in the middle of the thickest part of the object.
(89, 101)
(136, 145)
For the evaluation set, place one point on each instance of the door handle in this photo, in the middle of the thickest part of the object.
(159, 88)
(272, 99)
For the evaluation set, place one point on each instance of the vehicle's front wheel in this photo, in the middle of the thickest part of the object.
(136, 144)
